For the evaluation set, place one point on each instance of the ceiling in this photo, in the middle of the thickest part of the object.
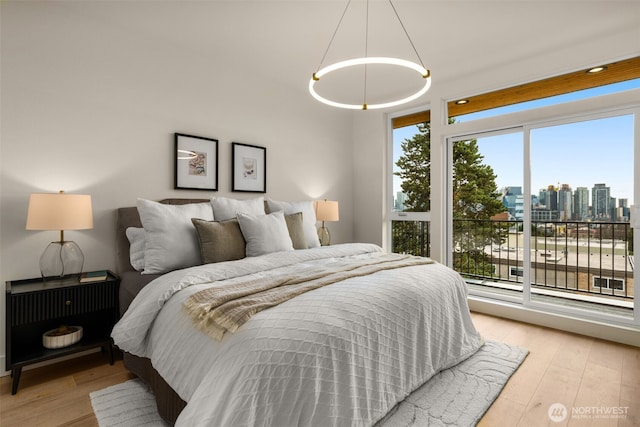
(284, 41)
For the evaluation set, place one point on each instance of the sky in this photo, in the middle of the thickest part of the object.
(580, 154)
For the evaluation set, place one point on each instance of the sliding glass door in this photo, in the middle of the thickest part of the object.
(486, 215)
(541, 214)
(581, 242)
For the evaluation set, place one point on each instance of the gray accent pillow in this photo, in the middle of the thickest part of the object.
(219, 240)
(265, 233)
(308, 217)
(295, 226)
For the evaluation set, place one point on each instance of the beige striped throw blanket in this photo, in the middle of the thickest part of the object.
(226, 307)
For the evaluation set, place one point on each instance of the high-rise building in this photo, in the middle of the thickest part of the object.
(623, 209)
(565, 208)
(400, 199)
(543, 197)
(513, 200)
(613, 211)
(552, 203)
(581, 204)
(600, 201)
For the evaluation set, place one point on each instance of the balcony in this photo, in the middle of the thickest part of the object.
(577, 264)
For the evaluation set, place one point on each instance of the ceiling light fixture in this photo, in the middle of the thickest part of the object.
(365, 61)
(596, 69)
(462, 102)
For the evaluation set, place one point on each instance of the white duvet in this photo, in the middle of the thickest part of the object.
(341, 355)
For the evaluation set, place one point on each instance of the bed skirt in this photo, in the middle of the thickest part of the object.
(167, 400)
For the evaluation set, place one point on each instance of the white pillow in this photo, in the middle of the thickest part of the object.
(136, 247)
(171, 241)
(225, 208)
(265, 233)
(308, 217)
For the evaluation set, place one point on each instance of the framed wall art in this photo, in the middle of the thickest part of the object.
(196, 163)
(249, 168)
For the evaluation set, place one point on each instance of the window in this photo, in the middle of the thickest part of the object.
(603, 283)
(410, 184)
(566, 218)
(565, 183)
(516, 271)
(531, 214)
(486, 214)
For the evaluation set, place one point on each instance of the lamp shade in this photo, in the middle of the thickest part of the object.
(327, 210)
(59, 211)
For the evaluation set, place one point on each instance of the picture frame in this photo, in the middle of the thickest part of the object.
(249, 168)
(196, 163)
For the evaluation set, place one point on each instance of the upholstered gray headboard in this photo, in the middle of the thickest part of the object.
(132, 281)
(129, 217)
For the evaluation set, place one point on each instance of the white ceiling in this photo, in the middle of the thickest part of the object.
(283, 41)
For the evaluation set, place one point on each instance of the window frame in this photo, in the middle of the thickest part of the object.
(627, 102)
(608, 287)
(397, 120)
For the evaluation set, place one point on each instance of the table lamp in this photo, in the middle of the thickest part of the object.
(326, 210)
(60, 211)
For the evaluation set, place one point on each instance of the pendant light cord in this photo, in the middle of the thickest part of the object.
(406, 34)
(344, 12)
(366, 55)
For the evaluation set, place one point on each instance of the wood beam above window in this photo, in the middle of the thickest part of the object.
(411, 119)
(615, 72)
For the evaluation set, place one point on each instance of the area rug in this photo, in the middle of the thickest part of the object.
(455, 397)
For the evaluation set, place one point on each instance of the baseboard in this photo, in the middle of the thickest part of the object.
(617, 333)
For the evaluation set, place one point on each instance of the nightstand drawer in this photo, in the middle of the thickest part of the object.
(59, 303)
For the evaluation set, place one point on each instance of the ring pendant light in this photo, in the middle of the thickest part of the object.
(420, 68)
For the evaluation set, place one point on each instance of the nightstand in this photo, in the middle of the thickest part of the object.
(35, 306)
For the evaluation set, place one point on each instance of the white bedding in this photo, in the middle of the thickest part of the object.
(341, 355)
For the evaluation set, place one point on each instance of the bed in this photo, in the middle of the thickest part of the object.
(367, 329)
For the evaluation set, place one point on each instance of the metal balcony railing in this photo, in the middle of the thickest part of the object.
(576, 257)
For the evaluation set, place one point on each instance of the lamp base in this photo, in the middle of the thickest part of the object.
(61, 259)
(324, 236)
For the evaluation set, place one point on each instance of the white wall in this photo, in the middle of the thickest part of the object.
(89, 107)
(368, 162)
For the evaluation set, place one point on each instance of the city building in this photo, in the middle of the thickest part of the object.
(581, 204)
(600, 201)
(552, 202)
(401, 198)
(513, 200)
(565, 207)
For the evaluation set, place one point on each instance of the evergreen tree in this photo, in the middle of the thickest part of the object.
(475, 201)
(415, 170)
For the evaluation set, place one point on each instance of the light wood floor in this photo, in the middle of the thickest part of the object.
(576, 371)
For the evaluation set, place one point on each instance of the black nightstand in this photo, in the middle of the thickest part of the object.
(35, 306)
